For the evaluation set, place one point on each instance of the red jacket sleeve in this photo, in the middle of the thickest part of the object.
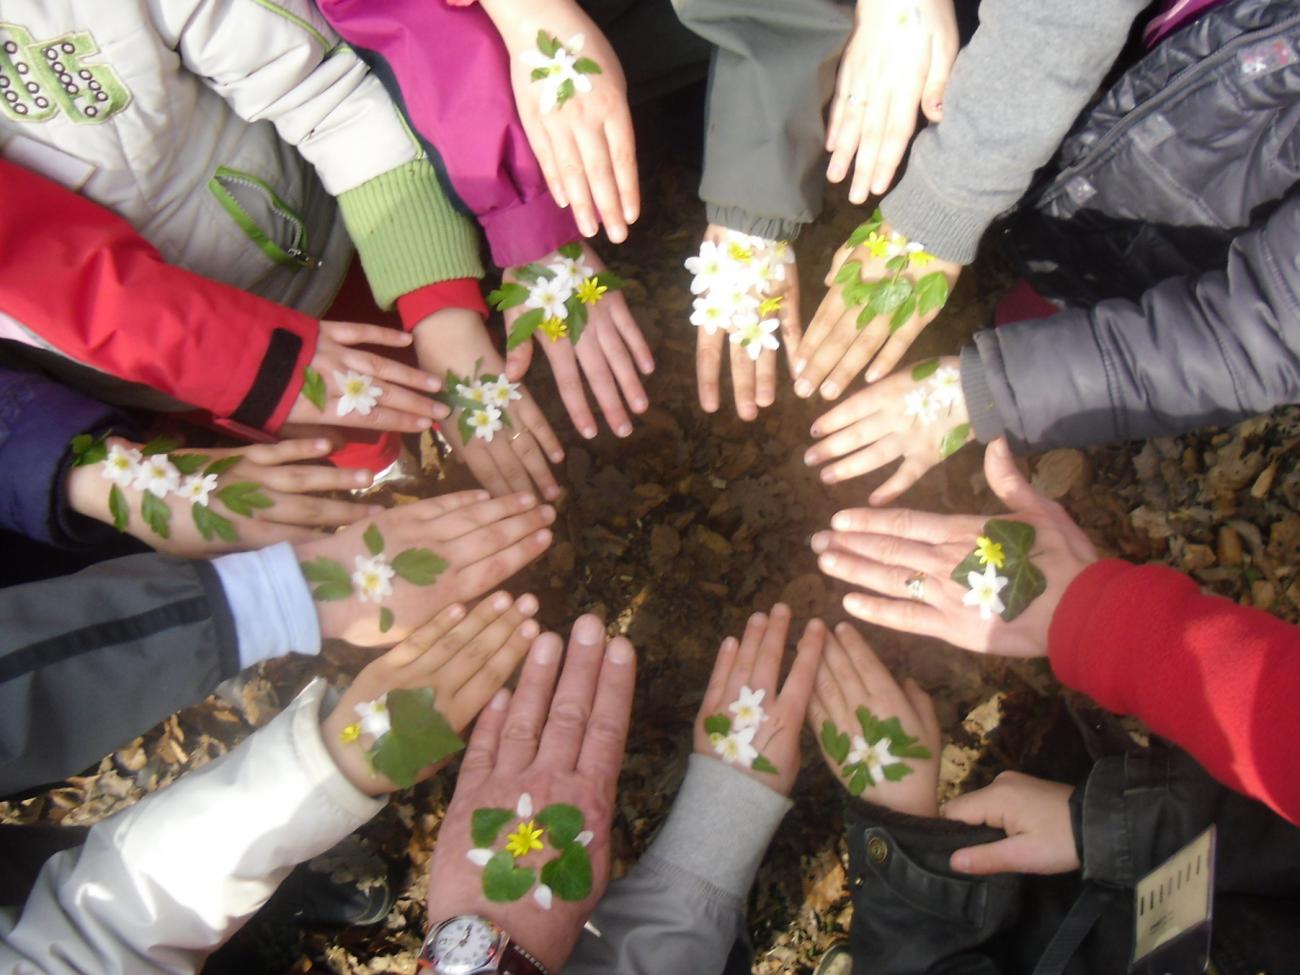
(88, 284)
(1220, 680)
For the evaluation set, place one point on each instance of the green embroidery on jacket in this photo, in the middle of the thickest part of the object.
(40, 79)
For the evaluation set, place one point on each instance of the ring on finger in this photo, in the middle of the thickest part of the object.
(916, 587)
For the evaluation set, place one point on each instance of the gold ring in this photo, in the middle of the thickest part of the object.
(916, 587)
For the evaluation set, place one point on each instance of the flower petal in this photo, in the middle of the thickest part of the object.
(524, 808)
(479, 856)
(542, 895)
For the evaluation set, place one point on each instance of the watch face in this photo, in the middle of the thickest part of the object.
(463, 945)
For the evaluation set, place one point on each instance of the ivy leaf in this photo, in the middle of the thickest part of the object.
(835, 742)
(385, 620)
(419, 566)
(209, 523)
(373, 539)
(563, 823)
(761, 764)
(242, 497)
(586, 66)
(924, 370)
(1015, 537)
(160, 445)
(87, 450)
(548, 44)
(188, 463)
(313, 388)
(509, 295)
(932, 292)
(1025, 582)
(569, 874)
(902, 314)
(524, 327)
(503, 881)
(571, 250)
(419, 737)
(156, 515)
(333, 581)
(954, 440)
(717, 724)
(859, 779)
(849, 272)
(485, 825)
(121, 511)
(220, 467)
(610, 280)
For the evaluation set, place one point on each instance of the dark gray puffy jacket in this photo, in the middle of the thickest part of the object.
(1170, 227)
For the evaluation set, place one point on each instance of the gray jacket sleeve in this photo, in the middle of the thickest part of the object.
(1211, 349)
(1015, 90)
(773, 71)
(682, 907)
(89, 661)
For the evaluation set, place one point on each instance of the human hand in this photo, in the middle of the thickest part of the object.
(260, 495)
(552, 744)
(1035, 815)
(466, 544)
(761, 737)
(747, 287)
(883, 292)
(918, 415)
(581, 134)
(899, 56)
(345, 387)
(516, 459)
(464, 658)
(609, 352)
(889, 753)
(908, 557)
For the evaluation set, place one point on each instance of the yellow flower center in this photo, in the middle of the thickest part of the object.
(555, 328)
(990, 552)
(771, 306)
(350, 733)
(922, 258)
(877, 244)
(591, 291)
(355, 387)
(741, 253)
(526, 838)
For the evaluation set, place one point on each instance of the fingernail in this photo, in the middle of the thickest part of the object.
(501, 602)
(960, 861)
(841, 522)
(820, 542)
(425, 423)
(830, 390)
(872, 376)
(729, 645)
(547, 513)
(432, 382)
(619, 652)
(530, 629)
(363, 477)
(815, 430)
(639, 405)
(552, 492)
(321, 444)
(545, 651)
(809, 459)
(625, 430)
(526, 500)
(542, 538)
(588, 631)
(499, 700)
(588, 432)
(827, 561)
(630, 214)
(482, 495)
(527, 604)
(456, 612)
(798, 366)
(828, 476)
(748, 413)
(557, 457)
(803, 389)
(758, 619)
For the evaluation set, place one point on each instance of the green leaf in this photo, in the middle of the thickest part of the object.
(565, 91)
(849, 272)
(189, 463)
(902, 314)
(858, 293)
(563, 823)
(897, 263)
(503, 881)
(209, 523)
(87, 450)
(1016, 538)
(524, 327)
(896, 772)
(532, 273)
(419, 566)
(160, 445)
(924, 370)
(835, 742)
(242, 497)
(120, 509)
(932, 292)
(586, 66)
(1025, 582)
(870, 725)
(571, 250)
(385, 620)
(156, 515)
(220, 467)
(466, 431)
(889, 295)
(911, 751)
(865, 230)
(859, 779)
(373, 539)
(761, 764)
(717, 724)
(509, 295)
(610, 280)
(313, 388)
(333, 580)
(419, 737)
(577, 319)
(548, 44)
(485, 825)
(954, 439)
(539, 74)
(569, 874)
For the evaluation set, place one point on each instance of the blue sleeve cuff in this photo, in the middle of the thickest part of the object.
(269, 600)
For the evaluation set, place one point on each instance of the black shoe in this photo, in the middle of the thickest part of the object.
(345, 886)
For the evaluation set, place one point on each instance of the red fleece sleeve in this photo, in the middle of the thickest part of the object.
(88, 284)
(419, 304)
(1220, 680)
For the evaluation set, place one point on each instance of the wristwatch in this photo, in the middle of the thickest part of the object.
(469, 944)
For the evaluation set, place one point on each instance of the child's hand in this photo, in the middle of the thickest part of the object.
(898, 57)
(918, 414)
(835, 349)
(464, 544)
(852, 678)
(516, 457)
(908, 558)
(349, 388)
(463, 659)
(610, 352)
(279, 508)
(1035, 815)
(761, 737)
(584, 144)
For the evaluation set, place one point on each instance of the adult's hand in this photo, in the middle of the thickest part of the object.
(893, 552)
(552, 744)
(1035, 815)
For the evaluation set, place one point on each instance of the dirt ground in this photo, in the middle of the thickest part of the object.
(678, 533)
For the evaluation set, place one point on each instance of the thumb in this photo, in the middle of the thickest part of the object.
(983, 807)
(1007, 482)
(1015, 854)
(518, 360)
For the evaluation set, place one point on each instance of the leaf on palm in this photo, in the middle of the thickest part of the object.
(118, 507)
(571, 250)
(210, 524)
(569, 875)
(563, 823)
(866, 229)
(954, 439)
(610, 280)
(188, 463)
(419, 566)
(835, 742)
(509, 295)
(586, 66)
(88, 450)
(503, 882)
(1025, 581)
(220, 467)
(924, 370)
(156, 515)
(243, 497)
(333, 582)
(386, 620)
(485, 824)
(717, 724)
(761, 764)
(374, 539)
(160, 445)
(548, 44)
(932, 292)
(902, 314)
(419, 736)
(850, 271)
(313, 388)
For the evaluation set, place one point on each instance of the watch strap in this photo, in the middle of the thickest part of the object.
(517, 960)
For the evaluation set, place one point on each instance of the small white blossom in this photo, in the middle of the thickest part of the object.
(524, 807)
(559, 68)
(712, 312)
(121, 465)
(710, 267)
(920, 404)
(542, 896)
(584, 838)
(755, 336)
(358, 392)
(737, 747)
(475, 392)
(197, 487)
(157, 475)
(945, 387)
(373, 578)
(479, 856)
(859, 752)
(879, 756)
(500, 392)
(375, 720)
(985, 591)
(748, 708)
(570, 271)
(485, 422)
(550, 294)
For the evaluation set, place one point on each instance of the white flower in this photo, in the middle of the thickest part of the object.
(197, 487)
(374, 716)
(542, 895)
(877, 758)
(748, 709)
(712, 312)
(985, 591)
(373, 578)
(754, 336)
(359, 392)
(946, 387)
(550, 294)
(500, 392)
(859, 752)
(524, 807)
(121, 465)
(898, 245)
(710, 266)
(737, 747)
(479, 856)
(584, 838)
(485, 422)
(157, 475)
(475, 392)
(559, 69)
(738, 297)
(569, 271)
(920, 404)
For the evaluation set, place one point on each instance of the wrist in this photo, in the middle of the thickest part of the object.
(85, 489)
(453, 338)
(546, 952)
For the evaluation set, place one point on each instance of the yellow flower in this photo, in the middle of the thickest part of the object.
(555, 329)
(878, 244)
(591, 291)
(524, 840)
(990, 552)
(922, 258)
(740, 253)
(351, 733)
(770, 306)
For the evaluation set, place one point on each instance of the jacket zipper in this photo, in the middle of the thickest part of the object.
(297, 253)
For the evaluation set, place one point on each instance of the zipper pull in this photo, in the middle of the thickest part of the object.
(303, 259)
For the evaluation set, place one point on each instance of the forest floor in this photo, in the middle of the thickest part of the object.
(676, 534)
